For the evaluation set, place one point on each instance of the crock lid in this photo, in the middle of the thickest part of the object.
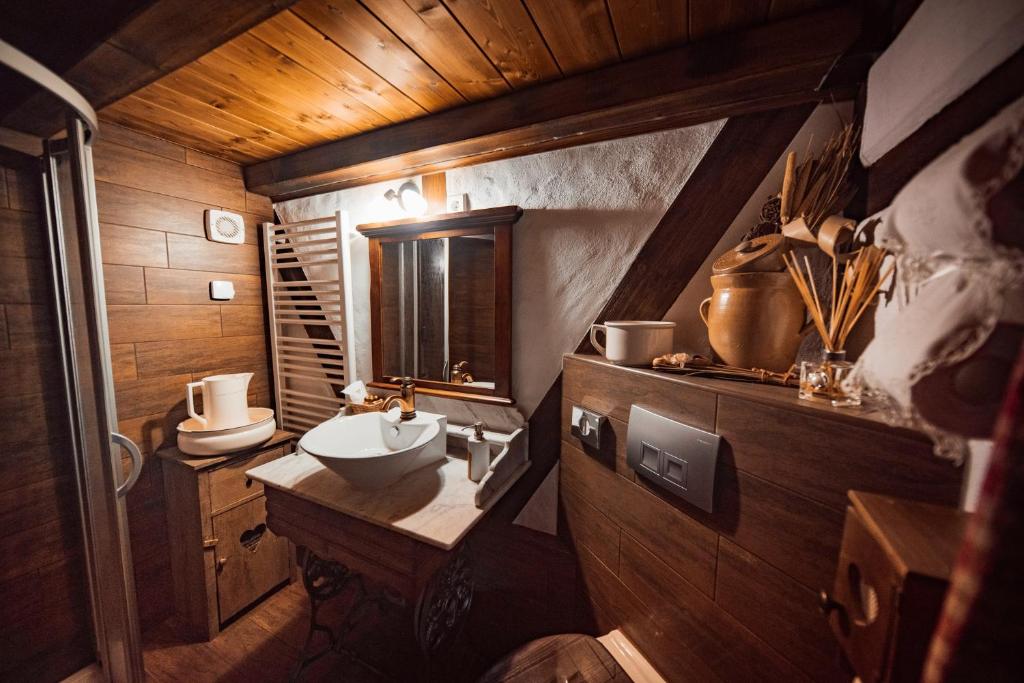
(758, 254)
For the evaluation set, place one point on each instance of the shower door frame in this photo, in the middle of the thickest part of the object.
(84, 346)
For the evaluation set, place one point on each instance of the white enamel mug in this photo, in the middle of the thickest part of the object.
(633, 342)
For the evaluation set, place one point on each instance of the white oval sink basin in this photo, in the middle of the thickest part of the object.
(373, 450)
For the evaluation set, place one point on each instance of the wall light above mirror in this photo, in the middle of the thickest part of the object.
(409, 198)
(441, 303)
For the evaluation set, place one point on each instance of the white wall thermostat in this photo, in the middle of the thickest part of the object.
(224, 226)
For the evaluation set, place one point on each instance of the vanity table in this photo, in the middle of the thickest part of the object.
(402, 547)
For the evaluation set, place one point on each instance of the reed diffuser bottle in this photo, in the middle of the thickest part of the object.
(852, 293)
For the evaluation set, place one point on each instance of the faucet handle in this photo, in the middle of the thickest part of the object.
(407, 382)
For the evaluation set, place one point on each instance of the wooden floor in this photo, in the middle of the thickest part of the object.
(262, 645)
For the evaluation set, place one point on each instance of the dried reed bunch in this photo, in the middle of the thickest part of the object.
(851, 294)
(817, 188)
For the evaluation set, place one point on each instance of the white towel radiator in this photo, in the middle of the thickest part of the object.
(308, 274)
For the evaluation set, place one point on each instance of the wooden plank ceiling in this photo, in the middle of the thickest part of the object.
(324, 70)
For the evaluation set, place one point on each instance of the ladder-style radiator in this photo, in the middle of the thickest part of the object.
(308, 275)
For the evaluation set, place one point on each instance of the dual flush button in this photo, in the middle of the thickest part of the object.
(663, 464)
(676, 456)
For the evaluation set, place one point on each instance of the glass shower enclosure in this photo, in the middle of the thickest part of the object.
(82, 350)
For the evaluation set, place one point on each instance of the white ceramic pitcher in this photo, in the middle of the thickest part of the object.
(225, 401)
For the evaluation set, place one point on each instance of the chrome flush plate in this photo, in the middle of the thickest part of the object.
(679, 458)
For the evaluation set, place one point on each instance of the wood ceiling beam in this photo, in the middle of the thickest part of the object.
(162, 37)
(739, 159)
(767, 67)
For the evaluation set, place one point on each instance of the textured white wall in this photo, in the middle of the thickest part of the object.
(588, 210)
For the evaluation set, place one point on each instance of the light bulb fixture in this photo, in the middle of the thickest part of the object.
(409, 198)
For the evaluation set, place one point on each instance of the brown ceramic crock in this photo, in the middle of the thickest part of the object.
(755, 320)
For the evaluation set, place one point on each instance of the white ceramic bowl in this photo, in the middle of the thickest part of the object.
(226, 440)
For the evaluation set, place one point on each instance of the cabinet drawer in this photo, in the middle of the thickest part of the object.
(251, 559)
(229, 485)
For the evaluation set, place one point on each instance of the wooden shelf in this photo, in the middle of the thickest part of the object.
(781, 397)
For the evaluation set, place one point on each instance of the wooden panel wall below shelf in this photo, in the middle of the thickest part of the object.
(732, 592)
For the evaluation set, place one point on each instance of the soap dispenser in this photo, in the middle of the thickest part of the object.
(479, 453)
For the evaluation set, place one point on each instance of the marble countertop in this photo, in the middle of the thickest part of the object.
(434, 504)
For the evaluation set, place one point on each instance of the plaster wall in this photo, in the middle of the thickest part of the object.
(588, 211)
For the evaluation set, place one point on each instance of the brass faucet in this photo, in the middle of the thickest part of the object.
(405, 398)
(460, 373)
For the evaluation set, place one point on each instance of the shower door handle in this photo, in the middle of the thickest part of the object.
(133, 450)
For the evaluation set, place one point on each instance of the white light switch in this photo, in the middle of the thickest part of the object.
(222, 290)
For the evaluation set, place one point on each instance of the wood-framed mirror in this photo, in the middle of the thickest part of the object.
(441, 303)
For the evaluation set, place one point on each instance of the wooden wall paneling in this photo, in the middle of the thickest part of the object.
(212, 163)
(22, 190)
(670, 655)
(643, 26)
(23, 280)
(770, 67)
(694, 618)
(771, 546)
(700, 213)
(153, 118)
(122, 357)
(504, 30)
(721, 16)
(139, 323)
(19, 229)
(241, 320)
(111, 132)
(792, 533)
(133, 168)
(199, 254)
(47, 630)
(165, 329)
(148, 395)
(362, 35)
(778, 609)
(161, 358)
(825, 462)
(598, 386)
(124, 284)
(148, 209)
(29, 325)
(578, 32)
(133, 246)
(587, 525)
(257, 203)
(171, 286)
(691, 547)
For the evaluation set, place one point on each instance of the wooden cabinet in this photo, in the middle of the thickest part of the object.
(223, 556)
(894, 567)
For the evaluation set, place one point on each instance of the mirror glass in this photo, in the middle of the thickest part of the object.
(438, 309)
